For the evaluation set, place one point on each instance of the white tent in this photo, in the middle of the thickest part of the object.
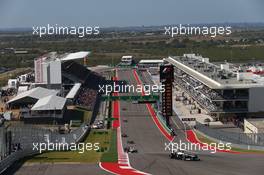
(76, 55)
(35, 93)
(49, 103)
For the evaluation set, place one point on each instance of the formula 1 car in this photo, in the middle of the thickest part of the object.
(124, 135)
(130, 149)
(177, 155)
(181, 155)
(172, 133)
(134, 102)
(130, 142)
(191, 157)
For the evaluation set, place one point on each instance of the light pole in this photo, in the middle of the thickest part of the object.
(54, 116)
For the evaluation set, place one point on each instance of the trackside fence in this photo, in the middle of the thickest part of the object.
(232, 137)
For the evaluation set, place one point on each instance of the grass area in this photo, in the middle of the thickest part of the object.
(111, 155)
(158, 51)
(242, 46)
(87, 116)
(208, 141)
(101, 137)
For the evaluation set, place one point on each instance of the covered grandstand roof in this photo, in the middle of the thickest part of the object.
(150, 61)
(74, 56)
(80, 74)
(75, 71)
(35, 93)
(73, 91)
(127, 56)
(51, 102)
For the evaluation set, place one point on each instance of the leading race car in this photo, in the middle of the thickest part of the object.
(181, 155)
(192, 157)
(177, 155)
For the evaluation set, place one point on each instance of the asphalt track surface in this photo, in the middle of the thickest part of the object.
(152, 158)
(56, 169)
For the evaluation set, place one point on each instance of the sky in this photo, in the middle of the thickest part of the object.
(120, 13)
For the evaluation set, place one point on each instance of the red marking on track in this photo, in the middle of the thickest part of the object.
(116, 169)
(191, 137)
(158, 124)
(115, 114)
(152, 112)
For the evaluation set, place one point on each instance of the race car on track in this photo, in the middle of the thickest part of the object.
(134, 102)
(130, 149)
(177, 155)
(124, 135)
(191, 157)
(172, 133)
(130, 142)
(181, 155)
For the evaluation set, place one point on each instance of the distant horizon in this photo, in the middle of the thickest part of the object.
(147, 26)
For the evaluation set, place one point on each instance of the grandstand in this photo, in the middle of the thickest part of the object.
(77, 73)
(86, 98)
(218, 90)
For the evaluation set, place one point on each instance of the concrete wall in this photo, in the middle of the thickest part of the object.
(38, 70)
(256, 99)
(55, 72)
(45, 73)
